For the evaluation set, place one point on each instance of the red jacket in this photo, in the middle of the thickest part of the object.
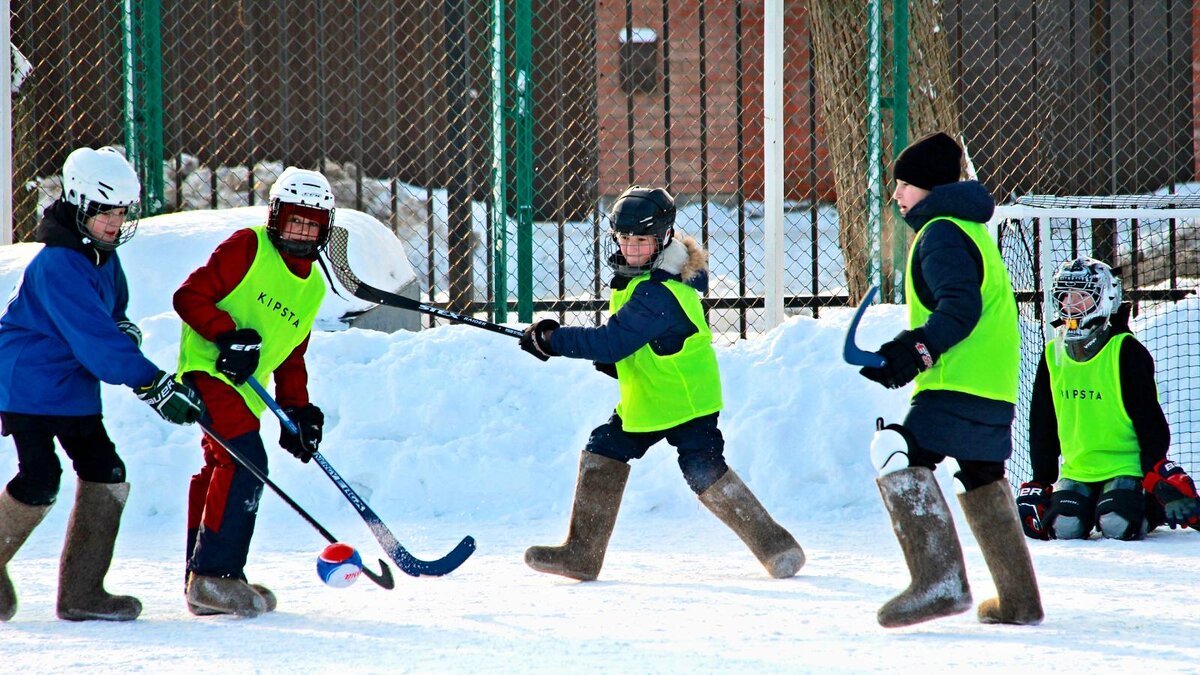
(196, 303)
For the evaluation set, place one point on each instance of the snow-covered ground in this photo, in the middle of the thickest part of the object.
(455, 431)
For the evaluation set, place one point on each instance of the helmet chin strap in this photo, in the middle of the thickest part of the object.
(1086, 347)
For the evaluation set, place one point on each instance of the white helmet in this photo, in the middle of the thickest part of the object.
(1085, 294)
(95, 181)
(303, 193)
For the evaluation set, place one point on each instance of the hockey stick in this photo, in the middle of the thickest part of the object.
(336, 251)
(851, 353)
(384, 578)
(406, 561)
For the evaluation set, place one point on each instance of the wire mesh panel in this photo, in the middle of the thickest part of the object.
(413, 108)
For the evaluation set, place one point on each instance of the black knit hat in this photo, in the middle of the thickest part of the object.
(930, 161)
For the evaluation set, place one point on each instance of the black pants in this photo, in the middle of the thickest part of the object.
(39, 473)
(971, 473)
(699, 442)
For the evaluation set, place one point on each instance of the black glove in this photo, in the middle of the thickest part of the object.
(609, 369)
(311, 422)
(131, 330)
(906, 355)
(534, 340)
(174, 401)
(1033, 503)
(239, 351)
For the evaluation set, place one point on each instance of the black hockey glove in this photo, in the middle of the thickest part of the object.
(905, 356)
(609, 369)
(131, 330)
(239, 351)
(1033, 503)
(534, 340)
(174, 401)
(311, 422)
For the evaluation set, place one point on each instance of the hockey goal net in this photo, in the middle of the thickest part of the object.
(1153, 244)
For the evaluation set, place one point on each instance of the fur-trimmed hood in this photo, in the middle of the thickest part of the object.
(685, 257)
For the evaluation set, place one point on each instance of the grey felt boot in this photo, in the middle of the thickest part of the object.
(597, 499)
(17, 520)
(267, 596)
(87, 554)
(730, 500)
(925, 530)
(992, 516)
(224, 595)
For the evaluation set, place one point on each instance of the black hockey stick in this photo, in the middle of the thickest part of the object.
(851, 353)
(336, 251)
(384, 578)
(406, 561)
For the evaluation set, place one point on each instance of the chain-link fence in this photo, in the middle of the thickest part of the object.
(396, 100)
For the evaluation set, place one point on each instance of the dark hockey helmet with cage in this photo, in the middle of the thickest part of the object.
(1086, 294)
(640, 211)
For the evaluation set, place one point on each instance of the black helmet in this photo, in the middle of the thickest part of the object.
(640, 211)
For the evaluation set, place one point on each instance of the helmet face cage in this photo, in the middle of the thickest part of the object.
(640, 212)
(86, 209)
(1085, 294)
(277, 218)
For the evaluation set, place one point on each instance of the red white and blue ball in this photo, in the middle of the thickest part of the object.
(339, 565)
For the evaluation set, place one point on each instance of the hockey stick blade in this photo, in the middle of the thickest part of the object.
(408, 563)
(851, 353)
(383, 579)
(336, 253)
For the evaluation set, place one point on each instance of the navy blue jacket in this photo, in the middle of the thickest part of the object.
(947, 273)
(652, 315)
(59, 335)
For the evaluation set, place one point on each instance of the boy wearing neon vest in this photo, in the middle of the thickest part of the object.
(64, 332)
(962, 349)
(249, 312)
(658, 345)
(1095, 405)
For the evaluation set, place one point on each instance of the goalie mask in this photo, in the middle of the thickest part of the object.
(301, 213)
(640, 212)
(1085, 295)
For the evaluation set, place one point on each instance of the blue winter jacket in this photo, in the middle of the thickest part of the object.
(652, 315)
(59, 335)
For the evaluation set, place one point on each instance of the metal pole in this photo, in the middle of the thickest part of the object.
(499, 176)
(523, 29)
(6, 146)
(899, 135)
(773, 161)
(874, 143)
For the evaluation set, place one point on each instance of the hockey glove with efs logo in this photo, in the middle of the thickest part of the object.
(906, 355)
(238, 352)
(131, 330)
(1174, 489)
(311, 422)
(174, 401)
(1033, 504)
(536, 339)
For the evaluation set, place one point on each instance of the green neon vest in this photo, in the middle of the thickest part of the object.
(660, 392)
(1096, 435)
(986, 362)
(269, 299)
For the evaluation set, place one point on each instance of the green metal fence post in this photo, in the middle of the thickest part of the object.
(499, 205)
(142, 71)
(899, 133)
(524, 157)
(874, 141)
